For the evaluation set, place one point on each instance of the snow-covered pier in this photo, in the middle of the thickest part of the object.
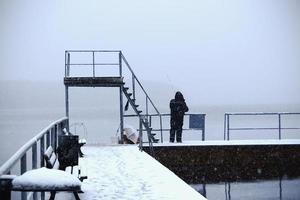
(124, 172)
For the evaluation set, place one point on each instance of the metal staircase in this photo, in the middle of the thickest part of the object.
(143, 118)
(90, 59)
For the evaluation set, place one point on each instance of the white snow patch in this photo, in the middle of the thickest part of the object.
(44, 178)
(123, 172)
(82, 141)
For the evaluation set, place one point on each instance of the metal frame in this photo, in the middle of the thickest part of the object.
(227, 128)
(48, 135)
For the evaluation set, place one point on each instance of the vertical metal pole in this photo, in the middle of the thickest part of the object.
(42, 151)
(227, 127)
(59, 129)
(23, 170)
(229, 191)
(203, 130)
(279, 128)
(226, 195)
(68, 65)
(67, 106)
(52, 138)
(133, 86)
(204, 189)
(147, 110)
(141, 134)
(280, 187)
(34, 156)
(161, 132)
(42, 195)
(93, 64)
(65, 63)
(121, 100)
(48, 140)
(55, 137)
(23, 164)
(34, 164)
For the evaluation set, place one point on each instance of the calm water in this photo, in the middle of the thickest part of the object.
(281, 189)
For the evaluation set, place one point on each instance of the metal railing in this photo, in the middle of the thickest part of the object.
(148, 100)
(48, 136)
(227, 128)
(161, 128)
(93, 64)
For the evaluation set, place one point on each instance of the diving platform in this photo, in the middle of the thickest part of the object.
(93, 81)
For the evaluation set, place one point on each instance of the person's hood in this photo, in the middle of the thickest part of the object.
(179, 96)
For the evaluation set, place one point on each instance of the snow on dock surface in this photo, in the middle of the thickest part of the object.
(123, 172)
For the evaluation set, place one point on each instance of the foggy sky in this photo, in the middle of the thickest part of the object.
(222, 52)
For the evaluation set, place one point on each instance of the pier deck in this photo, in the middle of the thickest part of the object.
(124, 172)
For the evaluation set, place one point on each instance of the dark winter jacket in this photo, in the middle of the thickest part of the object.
(178, 108)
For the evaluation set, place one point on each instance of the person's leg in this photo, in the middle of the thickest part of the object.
(179, 135)
(172, 134)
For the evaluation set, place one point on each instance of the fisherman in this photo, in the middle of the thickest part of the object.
(178, 108)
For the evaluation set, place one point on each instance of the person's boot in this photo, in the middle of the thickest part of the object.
(172, 135)
(179, 136)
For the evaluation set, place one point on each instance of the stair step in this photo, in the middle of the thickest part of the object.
(153, 134)
(155, 140)
(136, 105)
(129, 94)
(125, 88)
(139, 111)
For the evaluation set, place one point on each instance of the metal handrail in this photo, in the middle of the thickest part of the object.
(5, 168)
(98, 51)
(134, 78)
(51, 132)
(279, 128)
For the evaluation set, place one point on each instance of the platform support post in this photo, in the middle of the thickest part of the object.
(67, 105)
(121, 101)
